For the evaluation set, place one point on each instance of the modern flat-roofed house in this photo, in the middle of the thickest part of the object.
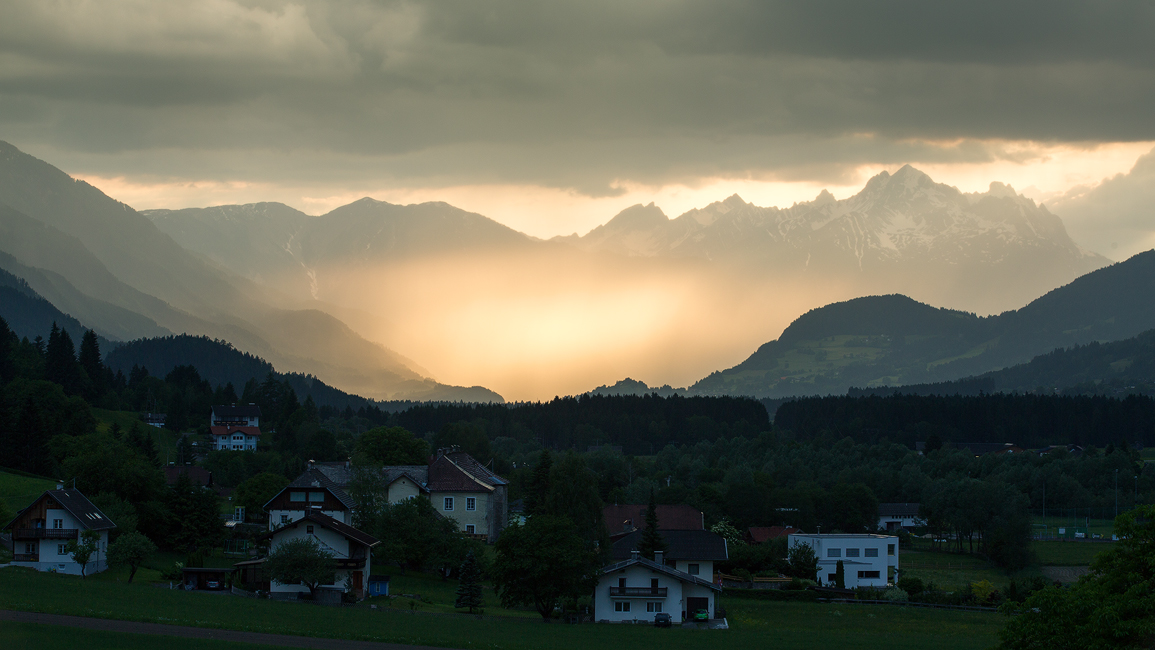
(637, 588)
(893, 516)
(235, 428)
(866, 559)
(41, 532)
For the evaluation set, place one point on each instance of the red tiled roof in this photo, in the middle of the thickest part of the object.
(759, 534)
(229, 430)
(621, 518)
(459, 472)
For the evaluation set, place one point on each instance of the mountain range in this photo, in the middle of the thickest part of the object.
(119, 274)
(893, 340)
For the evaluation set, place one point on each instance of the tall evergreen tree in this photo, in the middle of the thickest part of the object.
(469, 585)
(8, 342)
(652, 541)
(92, 365)
(539, 485)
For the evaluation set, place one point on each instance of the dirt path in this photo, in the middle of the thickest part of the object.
(281, 640)
(1065, 573)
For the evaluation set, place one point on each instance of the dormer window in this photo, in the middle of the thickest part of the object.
(296, 496)
(316, 496)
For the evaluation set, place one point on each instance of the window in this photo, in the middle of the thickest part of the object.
(448, 503)
(309, 530)
(862, 575)
(833, 552)
(621, 605)
(29, 548)
(296, 496)
(284, 519)
(692, 569)
(890, 549)
(317, 496)
(60, 549)
(851, 552)
(470, 530)
(653, 607)
(58, 524)
(470, 503)
(871, 552)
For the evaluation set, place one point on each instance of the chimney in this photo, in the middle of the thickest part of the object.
(312, 463)
(60, 485)
(634, 554)
(658, 556)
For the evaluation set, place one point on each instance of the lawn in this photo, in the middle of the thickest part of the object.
(953, 571)
(1069, 553)
(753, 623)
(1071, 525)
(34, 636)
(164, 439)
(18, 490)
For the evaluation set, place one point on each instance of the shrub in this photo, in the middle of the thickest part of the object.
(911, 585)
(895, 595)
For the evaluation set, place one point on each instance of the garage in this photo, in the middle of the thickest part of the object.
(694, 604)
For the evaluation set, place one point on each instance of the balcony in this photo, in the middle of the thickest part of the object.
(638, 592)
(44, 533)
(26, 557)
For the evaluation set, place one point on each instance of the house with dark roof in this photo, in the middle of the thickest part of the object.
(623, 519)
(456, 484)
(235, 428)
(893, 516)
(41, 532)
(637, 588)
(691, 551)
(312, 491)
(351, 549)
(762, 534)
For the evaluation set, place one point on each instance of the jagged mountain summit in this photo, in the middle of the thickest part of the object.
(902, 232)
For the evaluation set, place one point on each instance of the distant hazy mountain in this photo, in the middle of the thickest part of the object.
(893, 340)
(278, 246)
(629, 386)
(902, 232)
(67, 230)
(29, 315)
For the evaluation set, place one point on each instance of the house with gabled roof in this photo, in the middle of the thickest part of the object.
(41, 532)
(763, 534)
(691, 551)
(456, 484)
(235, 428)
(351, 550)
(636, 588)
(312, 491)
(623, 519)
(894, 516)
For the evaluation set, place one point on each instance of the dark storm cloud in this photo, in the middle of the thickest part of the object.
(568, 94)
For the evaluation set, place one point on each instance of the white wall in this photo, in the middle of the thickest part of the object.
(54, 558)
(832, 548)
(331, 541)
(402, 489)
(637, 576)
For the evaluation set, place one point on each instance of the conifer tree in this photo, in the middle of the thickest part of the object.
(535, 499)
(652, 541)
(89, 359)
(469, 585)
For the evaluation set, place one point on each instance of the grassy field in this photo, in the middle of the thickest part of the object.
(18, 491)
(1104, 527)
(164, 439)
(752, 622)
(1068, 553)
(953, 571)
(33, 636)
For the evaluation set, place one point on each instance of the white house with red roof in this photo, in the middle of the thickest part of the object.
(235, 428)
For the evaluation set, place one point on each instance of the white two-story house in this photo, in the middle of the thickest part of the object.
(893, 516)
(867, 560)
(637, 588)
(41, 532)
(235, 428)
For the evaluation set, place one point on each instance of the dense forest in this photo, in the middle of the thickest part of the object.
(824, 463)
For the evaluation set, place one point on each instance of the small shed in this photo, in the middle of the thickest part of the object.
(212, 578)
(378, 586)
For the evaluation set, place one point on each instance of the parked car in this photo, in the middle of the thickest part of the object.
(662, 619)
(212, 584)
(702, 615)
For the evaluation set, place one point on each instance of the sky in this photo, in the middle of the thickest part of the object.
(552, 117)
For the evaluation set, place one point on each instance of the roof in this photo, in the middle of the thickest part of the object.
(228, 411)
(315, 478)
(626, 518)
(457, 471)
(77, 505)
(981, 448)
(339, 527)
(341, 473)
(766, 533)
(898, 509)
(198, 475)
(680, 545)
(660, 568)
(843, 535)
(229, 430)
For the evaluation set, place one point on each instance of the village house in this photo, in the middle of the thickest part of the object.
(893, 516)
(312, 491)
(693, 552)
(350, 547)
(42, 531)
(763, 534)
(867, 560)
(456, 484)
(637, 588)
(623, 519)
(235, 428)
